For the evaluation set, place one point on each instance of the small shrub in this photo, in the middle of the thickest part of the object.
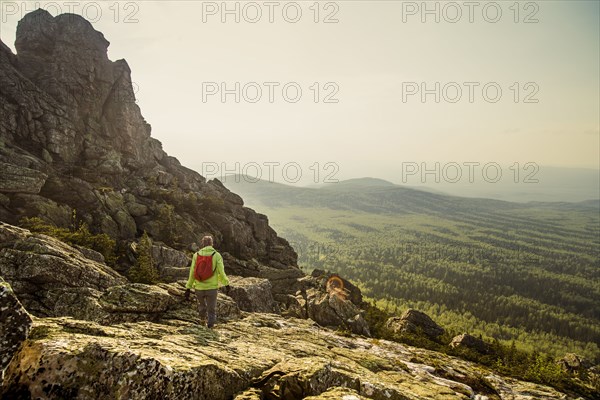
(79, 234)
(144, 271)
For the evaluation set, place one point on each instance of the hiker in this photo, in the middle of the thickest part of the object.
(206, 273)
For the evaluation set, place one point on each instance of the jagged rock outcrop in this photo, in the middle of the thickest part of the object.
(15, 324)
(415, 322)
(72, 137)
(283, 280)
(262, 356)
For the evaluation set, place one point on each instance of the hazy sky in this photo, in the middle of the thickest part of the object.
(377, 53)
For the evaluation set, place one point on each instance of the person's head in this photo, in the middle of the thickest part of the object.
(207, 241)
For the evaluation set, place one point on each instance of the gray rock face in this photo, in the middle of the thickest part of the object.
(166, 257)
(253, 294)
(72, 134)
(471, 342)
(415, 322)
(292, 306)
(284, 280)
(37, 266)
(53, 279)
(15, 324)
(16, 179)
(333, 310)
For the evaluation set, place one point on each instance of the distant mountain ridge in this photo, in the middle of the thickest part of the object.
(373, 195)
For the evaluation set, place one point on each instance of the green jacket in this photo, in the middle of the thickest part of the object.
(212, 282)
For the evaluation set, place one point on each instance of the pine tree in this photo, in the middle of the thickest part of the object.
(144, 270)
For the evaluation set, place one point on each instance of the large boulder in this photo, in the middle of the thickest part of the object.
(415, 322)
(252, 294)
(293, 306)
(334, 310)
(284, 280)
(172, 265)
(16, 179)
(573, 363)
(37, 266)
(165, 257)
(137, 298)
(337, 393)
(471, 342)
(135, 302)
(15, 324)
(307, 376)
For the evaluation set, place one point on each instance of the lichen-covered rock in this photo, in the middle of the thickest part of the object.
(16, 179)
(338, 393)
(333, 310)
(91, 254)
(173, 274)
(136, 298)
(415, 322)
(15, 324)
(292, 306)
(252, 294)
(306, 376)
(283, 280)
(250, 394)
(573, 362)
(471, 342)
(36, 265)
(167, 257)
(262, 356)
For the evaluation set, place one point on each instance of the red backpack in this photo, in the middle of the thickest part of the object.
(204, 267)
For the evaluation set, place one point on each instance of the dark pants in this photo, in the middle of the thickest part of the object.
(207, 304)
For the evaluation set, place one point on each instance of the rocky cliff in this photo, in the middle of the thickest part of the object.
(73, 138)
